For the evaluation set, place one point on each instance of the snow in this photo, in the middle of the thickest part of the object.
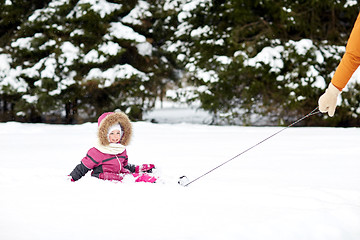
(144, 49)
(101, 7)
(110, 48)
(22, 43)
(302, 46)
(117, 72)
(69, 53)
(207, 76)
(189, 6)
(205, 30)
(30, 99)
(50, 43)
(273, 57)
(9, 75)
(4, 64)
(268, 55)
(303, 184)
(93, 56)
(42, 15)
(350, 3)
(140, 11)
(49, 70)
(120, 31)
(179, 112)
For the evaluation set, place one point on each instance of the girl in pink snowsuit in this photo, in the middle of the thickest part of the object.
(108, 160)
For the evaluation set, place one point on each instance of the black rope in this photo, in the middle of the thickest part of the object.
(313, 112)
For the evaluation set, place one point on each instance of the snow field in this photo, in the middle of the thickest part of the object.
(303, 184)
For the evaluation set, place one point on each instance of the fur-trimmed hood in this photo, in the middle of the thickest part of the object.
(106, 120)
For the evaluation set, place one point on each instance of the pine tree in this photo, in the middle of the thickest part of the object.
(76, 59)
(250, 62)
(12, 14)
(263, 62)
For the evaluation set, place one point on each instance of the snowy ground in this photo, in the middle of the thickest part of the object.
(303, 184)
(171, 112)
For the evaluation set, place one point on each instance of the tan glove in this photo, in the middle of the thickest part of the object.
(327, 101)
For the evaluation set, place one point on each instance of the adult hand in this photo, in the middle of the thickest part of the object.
(327, 101)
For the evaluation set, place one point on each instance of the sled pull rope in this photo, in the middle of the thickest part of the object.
(313, 112)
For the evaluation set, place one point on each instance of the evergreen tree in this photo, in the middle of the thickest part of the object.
(12, 15)
(248, 62)
(270, 59)
(76, 59)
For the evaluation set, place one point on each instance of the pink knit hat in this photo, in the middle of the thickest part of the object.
(103, 116)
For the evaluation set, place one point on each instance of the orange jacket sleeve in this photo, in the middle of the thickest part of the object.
(351, 59)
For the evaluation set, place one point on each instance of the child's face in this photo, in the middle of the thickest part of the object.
(114, 136)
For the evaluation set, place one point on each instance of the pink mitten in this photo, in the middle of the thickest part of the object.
(69, 178)
(145, 168)
(144, 178)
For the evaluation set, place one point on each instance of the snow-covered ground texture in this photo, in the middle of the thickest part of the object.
(302, 184)
(177, 112)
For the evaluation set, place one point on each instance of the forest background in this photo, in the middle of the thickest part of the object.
(246, 62)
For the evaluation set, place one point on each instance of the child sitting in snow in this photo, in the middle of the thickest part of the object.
(108, 160)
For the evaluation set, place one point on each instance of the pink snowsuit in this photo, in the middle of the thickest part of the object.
(108, 166)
